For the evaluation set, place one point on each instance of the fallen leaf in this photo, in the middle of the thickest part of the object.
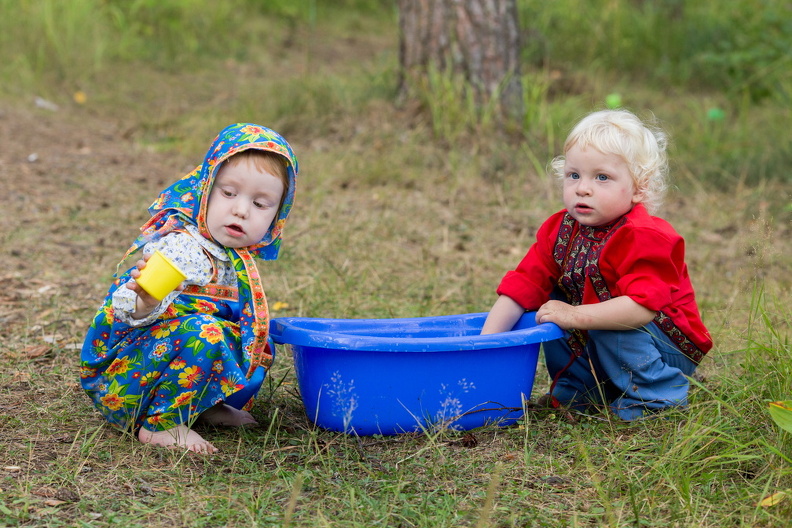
(469, 440)
(163, 490)
(54, 502)
(21, 377)
(36, 351)
(67, 495)
(44, 492)
(555, 481)
(772, 500)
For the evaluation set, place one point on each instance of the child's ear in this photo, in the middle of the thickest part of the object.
(638, 196)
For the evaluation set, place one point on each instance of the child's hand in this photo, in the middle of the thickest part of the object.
(145, 303)
(558, 312)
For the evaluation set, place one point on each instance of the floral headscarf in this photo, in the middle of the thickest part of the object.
(185, 202)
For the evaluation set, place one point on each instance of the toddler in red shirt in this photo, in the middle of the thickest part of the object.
(611, 275)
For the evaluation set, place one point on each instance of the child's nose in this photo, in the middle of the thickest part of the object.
(240, 209)
(584, 187)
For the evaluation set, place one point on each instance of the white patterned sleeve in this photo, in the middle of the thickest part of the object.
(187, 254)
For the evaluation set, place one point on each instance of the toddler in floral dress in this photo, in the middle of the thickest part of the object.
(200, 354)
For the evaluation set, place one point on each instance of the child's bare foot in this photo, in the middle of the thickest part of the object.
(225, 415)
(179, 436)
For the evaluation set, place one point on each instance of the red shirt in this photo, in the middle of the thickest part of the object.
(639, 255)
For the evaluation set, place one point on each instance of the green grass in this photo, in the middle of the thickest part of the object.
(731, 46)
(413, 208)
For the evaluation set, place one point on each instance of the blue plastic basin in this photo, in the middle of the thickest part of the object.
(392, 376)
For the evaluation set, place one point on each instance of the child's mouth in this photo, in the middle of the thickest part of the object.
(235, 230)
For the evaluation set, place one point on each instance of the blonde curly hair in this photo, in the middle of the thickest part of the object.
(642, 146)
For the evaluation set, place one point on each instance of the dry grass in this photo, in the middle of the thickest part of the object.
(383, 228)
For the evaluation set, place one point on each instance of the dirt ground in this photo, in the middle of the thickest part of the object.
(63, 173)
(59, 169)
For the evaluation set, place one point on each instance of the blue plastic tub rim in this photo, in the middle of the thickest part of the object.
(395, 335)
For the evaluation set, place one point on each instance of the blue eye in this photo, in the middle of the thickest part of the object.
(602, 177)
(573, 176)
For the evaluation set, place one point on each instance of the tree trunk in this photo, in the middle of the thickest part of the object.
(478, 39)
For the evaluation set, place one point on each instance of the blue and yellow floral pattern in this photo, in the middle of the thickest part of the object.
(206, 344)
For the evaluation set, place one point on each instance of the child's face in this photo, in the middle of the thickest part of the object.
(242, 205)
(598, 188)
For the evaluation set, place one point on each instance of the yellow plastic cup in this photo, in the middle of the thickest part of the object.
(160, 276)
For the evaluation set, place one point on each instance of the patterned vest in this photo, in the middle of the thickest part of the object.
(577, 252)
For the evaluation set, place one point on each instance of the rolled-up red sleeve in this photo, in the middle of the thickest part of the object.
(646, 265)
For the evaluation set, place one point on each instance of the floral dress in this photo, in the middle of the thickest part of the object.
(199, 346)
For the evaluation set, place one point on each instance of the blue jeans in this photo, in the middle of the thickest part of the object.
(637, 372)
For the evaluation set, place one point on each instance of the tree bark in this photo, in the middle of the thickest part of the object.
(478, 39)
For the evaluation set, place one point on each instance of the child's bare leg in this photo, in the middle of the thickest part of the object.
(225, 415)
(178, 436)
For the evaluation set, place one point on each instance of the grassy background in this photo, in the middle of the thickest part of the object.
(405, 208)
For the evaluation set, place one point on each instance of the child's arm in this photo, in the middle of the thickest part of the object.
(529, 284)
(133, 306)
(503, 316)
(618, 313)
